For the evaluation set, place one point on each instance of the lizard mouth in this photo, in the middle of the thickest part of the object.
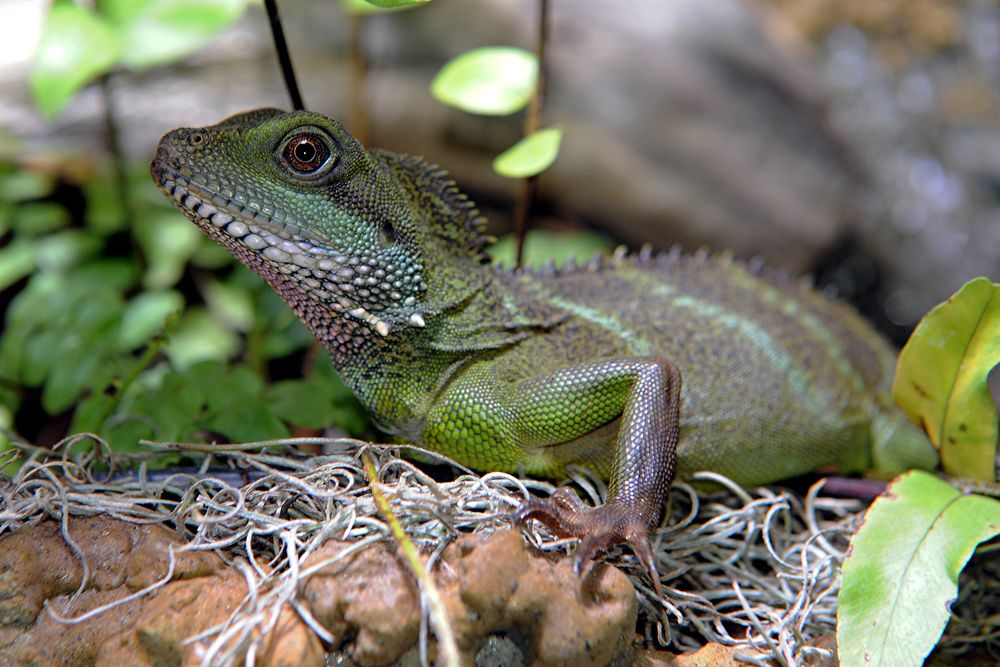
(213, 210)
(248, 232)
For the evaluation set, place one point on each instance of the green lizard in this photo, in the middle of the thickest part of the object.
(383, 259)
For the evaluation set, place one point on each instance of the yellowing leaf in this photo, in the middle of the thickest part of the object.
(941, 378)
(494, 80)
(531, 155)
(76, 46)
(902, 570)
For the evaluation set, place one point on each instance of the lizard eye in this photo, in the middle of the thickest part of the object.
(307, 154)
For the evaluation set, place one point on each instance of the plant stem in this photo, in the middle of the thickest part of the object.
(111, 135)
(357, 114)
(284, 57)
(532, 121)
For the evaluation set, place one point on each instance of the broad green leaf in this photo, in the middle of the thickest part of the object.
(247, 422)
(379, 6)
(118, 274)
(902, 571)
(300, 402)
(16, 261)
(124, 436)
(104, 213)
(493, 80)
(200, 337)
(531, 155)
(155, 32)
(145, 315)
(77, 46)
(22, 184)
(941, 378)
(238, 409)
(168, 241)
(37, 218)
(231, 305)
(62, 250)
(541, 246)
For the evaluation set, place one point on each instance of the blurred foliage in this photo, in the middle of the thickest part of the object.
(499, 81)
(541, 246)
(80, 44)
(531, 155)
(389, 4)
(142, 330)
(492, 80)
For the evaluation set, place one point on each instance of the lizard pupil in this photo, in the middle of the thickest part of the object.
(307, 153)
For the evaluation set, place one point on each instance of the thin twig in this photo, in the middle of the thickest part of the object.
(284, 57)
(532, 121)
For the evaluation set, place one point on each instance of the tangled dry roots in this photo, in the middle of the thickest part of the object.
(283, 556)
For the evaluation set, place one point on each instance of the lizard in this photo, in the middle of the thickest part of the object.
(638, 366)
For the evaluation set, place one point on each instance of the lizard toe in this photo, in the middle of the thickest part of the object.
(598, 528)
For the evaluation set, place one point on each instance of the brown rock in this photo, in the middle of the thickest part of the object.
(49, 642)
(506, 603)
(36, 565)
(368, 598)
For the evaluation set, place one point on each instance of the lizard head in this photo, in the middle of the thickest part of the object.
(340, 232)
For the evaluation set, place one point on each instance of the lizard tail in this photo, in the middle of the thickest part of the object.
(899, 445)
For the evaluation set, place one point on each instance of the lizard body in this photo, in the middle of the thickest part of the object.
(635, 366)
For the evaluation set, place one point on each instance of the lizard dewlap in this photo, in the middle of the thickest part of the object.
(638, 367)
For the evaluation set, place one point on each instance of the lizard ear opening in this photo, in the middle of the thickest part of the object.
(387, 235)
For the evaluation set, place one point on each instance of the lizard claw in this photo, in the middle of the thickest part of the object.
(597, 527)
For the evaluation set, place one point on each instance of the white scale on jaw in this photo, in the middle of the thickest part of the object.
(283, 251)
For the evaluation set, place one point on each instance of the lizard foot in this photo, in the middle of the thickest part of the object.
(598, 528)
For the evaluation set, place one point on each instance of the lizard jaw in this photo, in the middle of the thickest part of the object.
(232, 225)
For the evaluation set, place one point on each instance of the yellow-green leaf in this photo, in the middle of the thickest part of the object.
(531, 155)
(541, 246)
(941, 378)
(357, 6)
(493, 80)
(76, 47)
(902, 570)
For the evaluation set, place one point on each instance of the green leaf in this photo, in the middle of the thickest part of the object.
(59, 251)
(37, 218)
(541, 246)
(145, 315)
(941, 378)
(493, 80)
(16, 261)
(230, 304)
(23, 184)
(76, 47)
(379, 6)
(238, 409)
(168, 241)
(531, 155)
(156, 32)
(902, 571)
(200, 337)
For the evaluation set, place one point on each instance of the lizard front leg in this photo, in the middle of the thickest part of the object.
(529, 417)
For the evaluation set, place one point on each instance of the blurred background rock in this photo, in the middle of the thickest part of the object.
(855, 139)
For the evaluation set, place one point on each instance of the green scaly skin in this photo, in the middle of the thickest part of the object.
(382, 258)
